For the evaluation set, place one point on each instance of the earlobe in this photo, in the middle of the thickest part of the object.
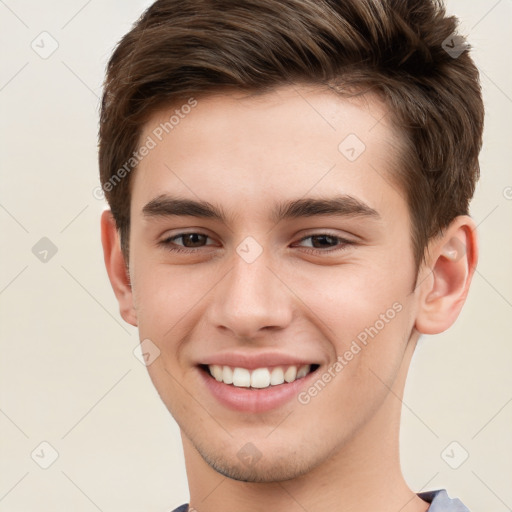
(453, 259)
(116, 268)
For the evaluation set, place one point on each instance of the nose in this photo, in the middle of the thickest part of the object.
(251, 300)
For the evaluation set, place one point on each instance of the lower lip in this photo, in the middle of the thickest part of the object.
(252, 399)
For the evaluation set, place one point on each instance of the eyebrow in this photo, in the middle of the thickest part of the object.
(342, 206)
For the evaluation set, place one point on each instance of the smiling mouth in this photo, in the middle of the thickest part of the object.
(259, 378)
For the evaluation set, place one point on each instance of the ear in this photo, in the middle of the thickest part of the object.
(451, 263)
(116, 267)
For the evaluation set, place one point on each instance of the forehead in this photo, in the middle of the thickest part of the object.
(245, 149)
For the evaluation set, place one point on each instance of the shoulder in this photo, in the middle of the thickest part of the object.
(441, 502)
(182, 508)
(438, 499)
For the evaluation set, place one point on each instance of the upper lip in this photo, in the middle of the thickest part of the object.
(253, 361)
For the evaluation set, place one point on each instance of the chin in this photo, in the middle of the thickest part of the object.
(263, 470)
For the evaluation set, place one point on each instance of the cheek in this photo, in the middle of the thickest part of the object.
(367, 318)
(349, 298)
(167, 295)
(369, 346)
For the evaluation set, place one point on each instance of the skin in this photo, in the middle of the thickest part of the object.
(246, 153)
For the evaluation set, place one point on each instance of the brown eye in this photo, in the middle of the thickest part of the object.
(189, 242)
(192, 240)
(325, 243)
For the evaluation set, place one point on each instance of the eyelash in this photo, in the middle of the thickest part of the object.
(167, 244)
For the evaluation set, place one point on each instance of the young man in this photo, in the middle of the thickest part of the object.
(288, 183)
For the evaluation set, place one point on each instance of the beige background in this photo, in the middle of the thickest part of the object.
(68, 373)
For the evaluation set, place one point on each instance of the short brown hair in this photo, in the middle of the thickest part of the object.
(399, 49)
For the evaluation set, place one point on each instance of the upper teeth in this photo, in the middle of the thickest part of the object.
(258, 378)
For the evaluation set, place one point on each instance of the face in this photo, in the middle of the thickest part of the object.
(269, 242)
